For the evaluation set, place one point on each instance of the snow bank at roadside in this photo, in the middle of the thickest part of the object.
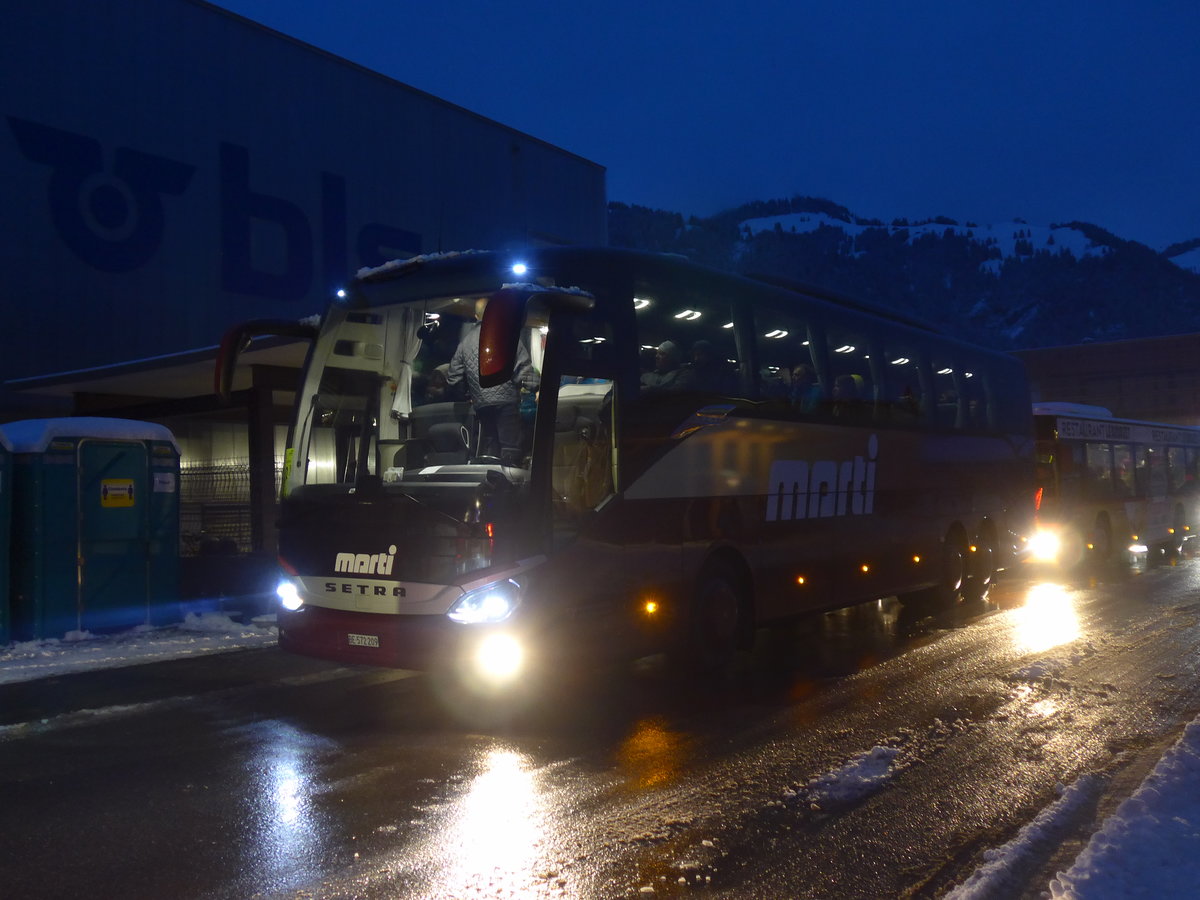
(82, 651)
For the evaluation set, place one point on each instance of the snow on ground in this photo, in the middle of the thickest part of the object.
(81, 651)
(1149, 847)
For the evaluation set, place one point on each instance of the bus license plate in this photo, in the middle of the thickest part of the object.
(363, 640)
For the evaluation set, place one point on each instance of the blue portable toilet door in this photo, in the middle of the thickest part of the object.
(114, 494)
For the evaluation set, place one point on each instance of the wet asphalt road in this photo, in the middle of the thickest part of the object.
(255, 774)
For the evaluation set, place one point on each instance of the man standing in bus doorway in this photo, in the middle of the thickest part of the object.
(497, 409)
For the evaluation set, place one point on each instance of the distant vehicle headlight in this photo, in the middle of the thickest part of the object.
(289, 595)
(1045, 546)
(487, 605)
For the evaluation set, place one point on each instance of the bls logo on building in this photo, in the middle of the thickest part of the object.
(825, 488)
(114, 217)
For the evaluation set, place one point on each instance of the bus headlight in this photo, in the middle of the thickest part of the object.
(1045, 546)
(289, 595)
(499, 657)
(486, 605)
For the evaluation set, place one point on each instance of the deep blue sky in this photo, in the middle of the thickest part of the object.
(1047, 111)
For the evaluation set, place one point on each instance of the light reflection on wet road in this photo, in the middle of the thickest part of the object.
(360, 785)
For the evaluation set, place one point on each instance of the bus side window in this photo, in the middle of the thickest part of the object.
(853, 394)
(974, 415)
(789, 372)
(946, 396)
(1123, 477)
(1177, 469)
(687, 345)
(1099, 471)
(903, 400)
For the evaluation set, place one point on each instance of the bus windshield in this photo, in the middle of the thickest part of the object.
(393, 393)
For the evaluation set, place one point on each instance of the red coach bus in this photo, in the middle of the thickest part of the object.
(632, 454)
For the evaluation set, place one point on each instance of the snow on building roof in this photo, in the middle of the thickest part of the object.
(35, 435)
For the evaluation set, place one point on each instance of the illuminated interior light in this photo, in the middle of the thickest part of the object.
(640, 303)
(341, 292)
(689, 315)
(901, 361)
(1138, 548)
(650, 607)
(974, 549)
(968, 374)
(727, 325)
(916, 558)
(945, 371)
(800, 579)
(845, 348)
(519, 268)
(865, 568)
(776, 334)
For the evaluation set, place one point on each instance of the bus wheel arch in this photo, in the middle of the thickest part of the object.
(983, 563)
(719, 620)
(1179, 526)
(952, 577)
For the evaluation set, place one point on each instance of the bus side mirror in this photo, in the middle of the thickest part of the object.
(499, 334)
(238, 338)
(500, 329)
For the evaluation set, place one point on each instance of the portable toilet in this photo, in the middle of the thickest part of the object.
(95, 525)
(5, 531)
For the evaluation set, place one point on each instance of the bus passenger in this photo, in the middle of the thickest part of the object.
(848, 395)
(706, 372)
(432, 388)
(805, 389)
(667, 370)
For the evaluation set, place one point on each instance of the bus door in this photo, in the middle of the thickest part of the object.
(1151, 478)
